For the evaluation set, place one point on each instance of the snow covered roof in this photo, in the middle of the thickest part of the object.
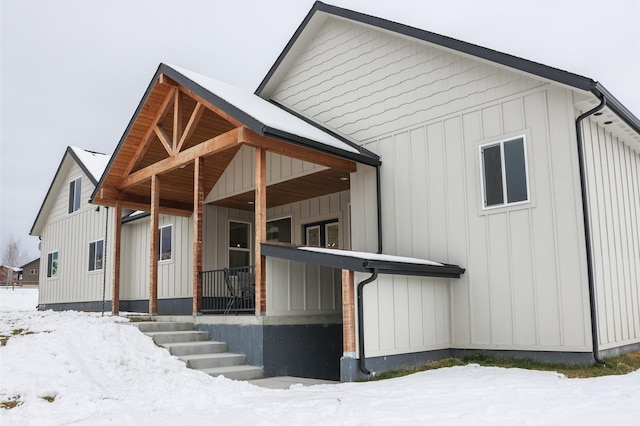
(362, 261)
(94, 162)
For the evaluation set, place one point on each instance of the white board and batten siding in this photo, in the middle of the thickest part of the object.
(70, 235)
(613, 177)
(426, 111)
(175, 278)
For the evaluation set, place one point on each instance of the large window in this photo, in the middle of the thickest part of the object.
(164, 239)
(279, 230)
(75, 193)
(322, 234)
(504, 172)
(239, 244)
(96, 255)
(52, 264)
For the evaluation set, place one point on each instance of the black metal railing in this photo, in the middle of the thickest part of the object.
(229, 290)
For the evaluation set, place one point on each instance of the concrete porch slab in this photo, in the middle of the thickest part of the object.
(285, 382)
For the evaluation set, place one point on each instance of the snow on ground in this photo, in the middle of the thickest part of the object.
(102, 371)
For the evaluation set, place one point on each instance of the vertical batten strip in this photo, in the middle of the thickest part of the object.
(260, 229)
(117, 238)
(198, 201)
(153, 261)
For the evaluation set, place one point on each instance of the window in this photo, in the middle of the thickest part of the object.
(75, 192)
(279, 230)
(96, 255)
(322, 234)
(33, 271)
(52, 264)
(504, 173)
(239, 244)
(164, 239)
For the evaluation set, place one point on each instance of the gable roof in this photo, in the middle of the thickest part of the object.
(321, 11)
(92, 164)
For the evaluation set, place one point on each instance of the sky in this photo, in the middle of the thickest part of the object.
(98, 371)
(72, 72)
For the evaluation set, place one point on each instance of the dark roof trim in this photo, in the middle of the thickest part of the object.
(525, 65)
(291, 252)
(86, 171)
(130, 218)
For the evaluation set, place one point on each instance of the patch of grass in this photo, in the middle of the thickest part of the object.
(614, 366)
(3, 339)
(16, 332)
(10, 403)
(48, 398)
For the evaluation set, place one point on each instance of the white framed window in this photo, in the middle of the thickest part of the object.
(52, 264)
(323, 234)
(75, 194)
(505, 179)
(96, 255)
(239, 244)
(279, 230)
(165, 242)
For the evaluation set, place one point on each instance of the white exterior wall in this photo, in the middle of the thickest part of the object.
(70, 235)
(425, 111)
(613, 176)
(175, 278)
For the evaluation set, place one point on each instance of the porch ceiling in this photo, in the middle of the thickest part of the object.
(174, 126)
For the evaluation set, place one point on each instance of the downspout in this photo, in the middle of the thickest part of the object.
(361, 285)
(379, 206)
(587, 231)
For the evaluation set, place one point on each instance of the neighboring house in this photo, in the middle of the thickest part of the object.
(10, 275)
(502, 192)
(73, 233)
(31, 273)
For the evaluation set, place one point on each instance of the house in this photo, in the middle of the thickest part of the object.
(388, 196)
(31, 273)
(10, 275)
(73, 235)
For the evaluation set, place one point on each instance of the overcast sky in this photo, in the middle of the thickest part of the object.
(72, 72)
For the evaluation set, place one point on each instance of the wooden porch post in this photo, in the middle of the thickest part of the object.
(198, 201)
(261, 230)
(117, 236)
(348, 315)
(153, 261)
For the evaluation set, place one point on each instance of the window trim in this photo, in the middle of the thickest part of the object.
(94, 257)
(483, 195)
(249, 249)
(160, 228)
(49, 264)
(322, 224)
(290, 217)
(72, 208)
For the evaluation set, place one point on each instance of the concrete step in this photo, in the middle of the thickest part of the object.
(193, 348)
(203, 361)
(153, 326)
(163, 337)
(236, 372)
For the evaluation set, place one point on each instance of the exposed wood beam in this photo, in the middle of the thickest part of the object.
(212, 107)
(163, 79)
(260, 219)
(111, 196)
(209, 147)
(153, 252)
(198, 202)
(146, 140)
(166, 142)
(348, 315)
(177, 121)
(115, 277)
(191, 125)
(252, 138)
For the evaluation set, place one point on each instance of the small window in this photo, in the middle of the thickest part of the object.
(164, 239)
(75, 192)
(504, 173)
(96, 255)
(52, 264)
(322, 234)
(33, 272)
(239, 244)
(279, 230)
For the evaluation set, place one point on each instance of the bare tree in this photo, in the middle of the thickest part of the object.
(12, 253)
